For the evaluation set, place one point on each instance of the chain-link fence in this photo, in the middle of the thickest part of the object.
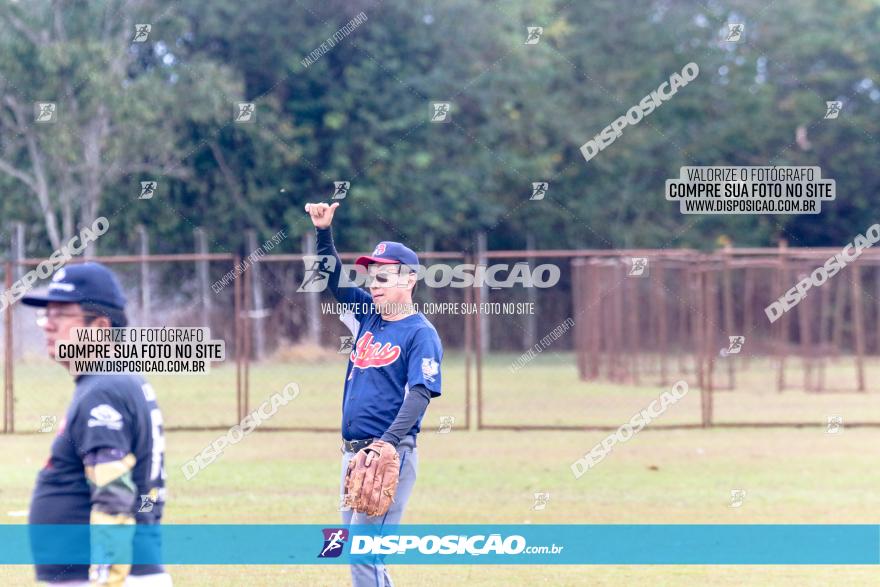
(162, 290)
(273, 335)
(768, 336)
(540, 340)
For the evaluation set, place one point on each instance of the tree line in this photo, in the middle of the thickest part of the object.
(135, 105)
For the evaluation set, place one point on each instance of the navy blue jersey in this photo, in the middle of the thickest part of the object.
(388, 359)
(113, 411)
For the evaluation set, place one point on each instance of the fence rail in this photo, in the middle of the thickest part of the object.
(628, 329)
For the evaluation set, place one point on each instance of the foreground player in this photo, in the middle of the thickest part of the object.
(392, 374)
(107, 460)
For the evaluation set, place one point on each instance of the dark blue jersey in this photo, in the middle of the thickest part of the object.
(117, 411)
(388, 359)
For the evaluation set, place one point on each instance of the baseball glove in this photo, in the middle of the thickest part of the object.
(371, 479)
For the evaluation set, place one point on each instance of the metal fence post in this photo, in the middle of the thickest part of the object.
(8, 399)
(259, 313)
(203, 278)
(144, 239)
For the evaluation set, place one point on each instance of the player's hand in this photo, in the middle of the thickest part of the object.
(322, 214)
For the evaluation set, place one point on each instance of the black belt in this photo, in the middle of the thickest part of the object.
(357, 445)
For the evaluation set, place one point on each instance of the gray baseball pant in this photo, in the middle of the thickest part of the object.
(377, 575)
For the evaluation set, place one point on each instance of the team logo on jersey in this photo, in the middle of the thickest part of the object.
(334, 541)
(430, 368)
(373, 354)
(104, 415)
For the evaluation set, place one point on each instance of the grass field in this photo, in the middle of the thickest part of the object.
(790, 475)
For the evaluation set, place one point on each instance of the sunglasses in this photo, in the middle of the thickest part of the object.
(44, 315)
(386, 279)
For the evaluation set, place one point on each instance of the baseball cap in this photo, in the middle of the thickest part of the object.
(89, 284)
(388, 252)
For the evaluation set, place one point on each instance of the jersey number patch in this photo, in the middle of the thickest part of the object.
(157, 462)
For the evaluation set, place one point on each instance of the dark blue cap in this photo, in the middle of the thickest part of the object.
(388, 252)
(90, 284)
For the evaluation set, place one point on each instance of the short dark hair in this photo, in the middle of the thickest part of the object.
(117, 316)
(410, 270)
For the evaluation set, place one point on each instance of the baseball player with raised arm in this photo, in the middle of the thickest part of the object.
(107, 460)
(393, 372)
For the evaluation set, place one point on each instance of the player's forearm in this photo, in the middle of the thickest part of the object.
(112, 548)
(114, 495)
(108, 472)
(326, 247)
(414, 405)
